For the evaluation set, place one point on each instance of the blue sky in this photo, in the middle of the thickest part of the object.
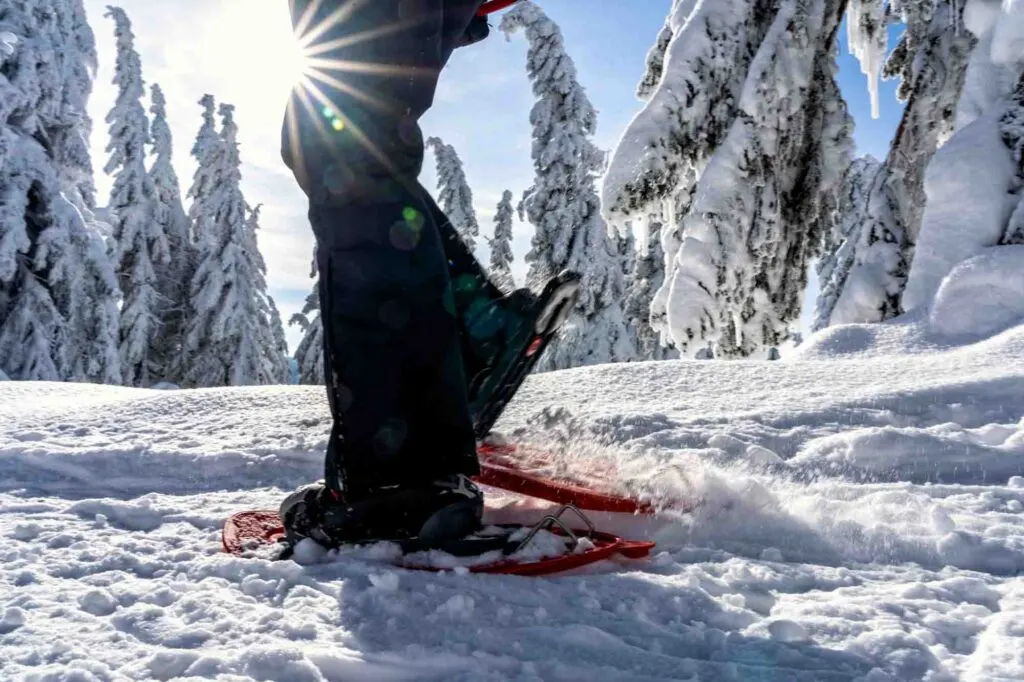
(236, 50)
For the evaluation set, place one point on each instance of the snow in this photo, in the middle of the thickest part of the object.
(983, 295)
(976, 164)
(860, 519)
(1008, 37)
(973, 182)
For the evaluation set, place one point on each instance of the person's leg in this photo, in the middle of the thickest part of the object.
(395, 379)
(401, 413)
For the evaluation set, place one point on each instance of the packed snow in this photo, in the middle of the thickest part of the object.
(859, 518)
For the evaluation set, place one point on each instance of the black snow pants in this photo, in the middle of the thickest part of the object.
(394, 374)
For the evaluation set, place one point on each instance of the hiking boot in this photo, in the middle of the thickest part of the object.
(435, 513)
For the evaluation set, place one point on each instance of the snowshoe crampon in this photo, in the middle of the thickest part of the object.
(506, 549)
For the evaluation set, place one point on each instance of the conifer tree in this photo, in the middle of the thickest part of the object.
(454, 195)
(501, 245)
(141, 243)
(743, 144)
(930, 62)
(58, 293)
(172, 277)
(842, 243)
(228, 341)
(309, 355)
(973, 182)
(1012, 129)
(563, 205)
(645, 280)
(205, 149)
(275, 345)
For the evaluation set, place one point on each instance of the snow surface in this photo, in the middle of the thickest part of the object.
(861, 519)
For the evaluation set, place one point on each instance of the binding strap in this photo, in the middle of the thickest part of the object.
(492, 6)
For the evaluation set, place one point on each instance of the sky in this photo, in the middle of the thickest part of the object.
(242, 52)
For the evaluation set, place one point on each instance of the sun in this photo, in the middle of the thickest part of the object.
(254, 40)
(295, 61)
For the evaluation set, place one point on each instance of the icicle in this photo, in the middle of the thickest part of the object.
(642, 233)
(869, 41)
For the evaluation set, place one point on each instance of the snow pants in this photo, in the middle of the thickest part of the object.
(395, 381)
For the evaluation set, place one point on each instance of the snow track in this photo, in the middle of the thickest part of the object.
(861, 520)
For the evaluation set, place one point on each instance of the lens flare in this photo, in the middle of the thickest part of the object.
(319, 71)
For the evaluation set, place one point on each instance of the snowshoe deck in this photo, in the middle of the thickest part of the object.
(248, 531)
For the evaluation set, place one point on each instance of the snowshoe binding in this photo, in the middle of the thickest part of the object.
(435, 515)
(503, 338)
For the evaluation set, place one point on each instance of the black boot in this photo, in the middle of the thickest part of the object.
(434, 514)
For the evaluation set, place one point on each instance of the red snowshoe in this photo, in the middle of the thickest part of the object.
(507, 467)
(509, 549)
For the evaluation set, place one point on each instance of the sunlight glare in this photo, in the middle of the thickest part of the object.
(258, 45)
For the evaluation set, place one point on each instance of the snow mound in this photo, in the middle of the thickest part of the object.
(969, 185)
(981, 296)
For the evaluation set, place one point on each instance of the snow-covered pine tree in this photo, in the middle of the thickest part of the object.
(205, 149)
(655, 65)
(454, 195)
(201, 222)
(1012, 129)
(563, 204)
(748, 107)
(627, 254)
(92, 302)
(930, 60)
(660, 233)
(277, 349)
(141, 242)
(172, 278)
(628, 257)
(30, 322)
(843, 239)
(646, 279)
(309, 355)
(58, 293)
(981, 161)
(227, 341)
(501, 245)
(71, 140)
